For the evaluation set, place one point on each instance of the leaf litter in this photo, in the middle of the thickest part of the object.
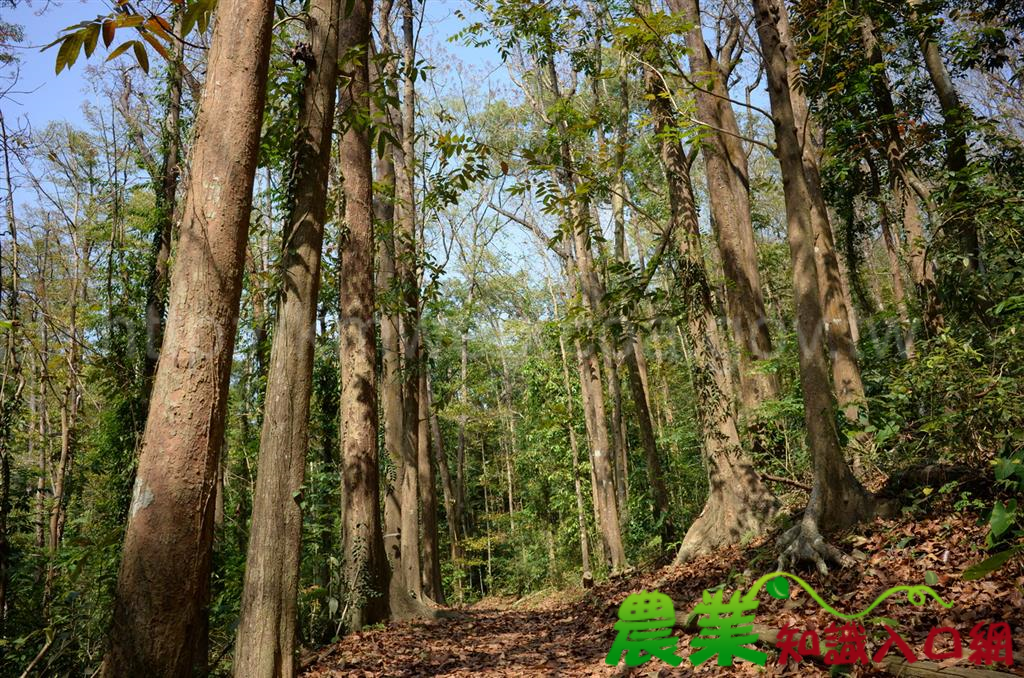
(568, 633)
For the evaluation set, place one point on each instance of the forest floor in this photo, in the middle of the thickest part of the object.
(569, 633)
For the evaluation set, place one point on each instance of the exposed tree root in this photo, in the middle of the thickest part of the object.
(804, 543)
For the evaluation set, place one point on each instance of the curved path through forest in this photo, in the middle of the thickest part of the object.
(568, 633)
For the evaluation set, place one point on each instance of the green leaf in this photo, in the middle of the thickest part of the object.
(1001, 519)
(141, 56)
(68, 52)
(979, 570)
(204, 16)
(130, 21)
(121, 49)
(92, 34)
(778, 588)
(931, 578)
(189, 20)
(1006, 468)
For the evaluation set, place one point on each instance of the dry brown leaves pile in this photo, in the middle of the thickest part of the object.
(569, 634)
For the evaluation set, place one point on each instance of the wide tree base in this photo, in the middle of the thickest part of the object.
(803, 543)
(404, 606)
(727, 519)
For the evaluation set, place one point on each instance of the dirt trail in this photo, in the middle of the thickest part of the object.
(570, 632)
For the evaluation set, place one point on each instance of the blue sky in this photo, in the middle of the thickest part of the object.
(43, 96)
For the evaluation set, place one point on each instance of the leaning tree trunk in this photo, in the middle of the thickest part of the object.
(163, 584)
(955, 117)
(738, 503)
(365, 568)
(837, 498)
(265, 642)
(903, 178)
(729, 195)
(838, 317)
(166, 203)
(655, 474)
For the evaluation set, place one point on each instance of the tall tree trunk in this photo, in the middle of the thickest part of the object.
(655, 474)
(641, 364)
(454, 521)
(163, 584)
(12, 382)
(955, 117)
(591, 290)
(729, 193)
(581, 514)
(899, 295)
(460, 450)
(604, 477)
(738, 503)
(45, 456)
(69, 406)
(68, 420)
(265, 641)
(407, 567)
(428, 496)
(595, 491)
(905, 181)
(849, 386)
(366, 567)
(166, 202)
(837, 498)
(618, 432)
(610, 353)
(391, 384)
(508, 444)
(666, 400)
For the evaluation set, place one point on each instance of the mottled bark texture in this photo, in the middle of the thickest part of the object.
(166, 202)
(839, 328)
(907, 186)
(955, 117)
(365, 565)
(163, 584)
(729, 194)
(738, 504)
(591, 289)
(428, 496)
(265, 644)
(407, 569)
(837, 499)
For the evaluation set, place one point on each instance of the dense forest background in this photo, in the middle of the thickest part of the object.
(474, 299)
